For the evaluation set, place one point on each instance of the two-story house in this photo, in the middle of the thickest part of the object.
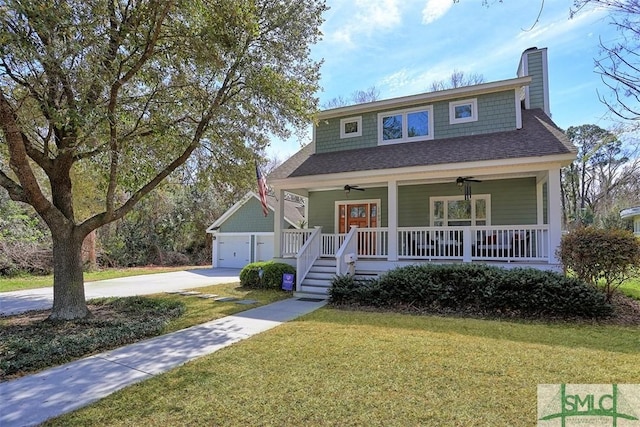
(470, 174)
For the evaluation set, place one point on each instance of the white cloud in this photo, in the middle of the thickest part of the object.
(435, 9)
(364, 18)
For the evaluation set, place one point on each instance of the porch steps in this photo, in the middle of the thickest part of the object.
(318, 281)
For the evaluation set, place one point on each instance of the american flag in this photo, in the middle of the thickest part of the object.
(262, 189)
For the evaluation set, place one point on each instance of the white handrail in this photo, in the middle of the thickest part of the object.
(349, 245)
(307, 255)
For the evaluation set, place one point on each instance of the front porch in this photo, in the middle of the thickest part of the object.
(511, 218)
(375, 250)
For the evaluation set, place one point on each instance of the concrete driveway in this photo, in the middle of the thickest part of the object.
(42, 298)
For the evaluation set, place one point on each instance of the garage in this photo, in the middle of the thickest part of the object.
(264, 247)
(243, 234)
(233, 251)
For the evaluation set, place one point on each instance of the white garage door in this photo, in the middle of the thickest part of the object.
(264, 247)
(234, 251)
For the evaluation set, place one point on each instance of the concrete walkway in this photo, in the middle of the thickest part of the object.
(42, 298)
(35, 398)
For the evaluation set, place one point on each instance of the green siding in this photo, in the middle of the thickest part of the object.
(496, 113)
(322, 206)
(536, 88)
(248, 218)
(513, 202)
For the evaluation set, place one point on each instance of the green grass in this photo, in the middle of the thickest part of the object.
(28, 348)
(341, 368)
(631, 288)
(32, 282)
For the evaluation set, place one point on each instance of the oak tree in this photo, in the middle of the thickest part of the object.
(122, 92)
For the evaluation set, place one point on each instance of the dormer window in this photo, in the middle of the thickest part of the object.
(415, 124)
(463, 111)
(351, 127)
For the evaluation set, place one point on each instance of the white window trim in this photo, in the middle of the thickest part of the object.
(474, 111)
(405, 138)
(445, 199)
(343, 122)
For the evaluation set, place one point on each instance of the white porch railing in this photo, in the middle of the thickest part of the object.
(373, 242)
(478, 243)
(486, 243)
(350, 245)
(510, 243)
(431, 242)
(307, 255)
(292, 241)
(331, 243)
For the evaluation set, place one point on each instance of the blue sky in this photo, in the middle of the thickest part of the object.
(401, 46)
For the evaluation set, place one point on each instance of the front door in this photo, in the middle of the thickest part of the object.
(361, 215)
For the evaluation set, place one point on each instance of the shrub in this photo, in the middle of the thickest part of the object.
(271, 277)
(612, 256)
(475, 288)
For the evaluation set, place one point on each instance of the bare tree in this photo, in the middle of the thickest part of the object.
(358, 97)
(457, 79)
(619, 65)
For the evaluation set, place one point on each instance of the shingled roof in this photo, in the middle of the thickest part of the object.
(538, 137)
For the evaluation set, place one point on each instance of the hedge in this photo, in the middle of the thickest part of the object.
(477, 288)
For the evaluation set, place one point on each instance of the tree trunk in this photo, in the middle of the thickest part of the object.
(68, 278)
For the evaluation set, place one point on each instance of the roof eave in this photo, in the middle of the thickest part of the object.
(383, 174)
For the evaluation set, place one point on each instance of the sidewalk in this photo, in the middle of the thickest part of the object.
(35, 398)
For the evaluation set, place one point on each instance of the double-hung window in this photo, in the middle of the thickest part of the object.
(415, 124)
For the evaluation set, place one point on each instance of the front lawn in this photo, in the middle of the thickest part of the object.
(337, 368)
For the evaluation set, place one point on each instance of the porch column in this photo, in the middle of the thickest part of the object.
(554, 213)
(392, 208)
(278, 220)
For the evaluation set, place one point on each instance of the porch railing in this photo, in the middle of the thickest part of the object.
(292, 241)
(477, 243)
(373, 242)
(507, 243)
(331, 243)
(486, 243)
(431, 242)
(307, 255)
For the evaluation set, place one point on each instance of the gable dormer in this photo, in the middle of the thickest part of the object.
(533, 63)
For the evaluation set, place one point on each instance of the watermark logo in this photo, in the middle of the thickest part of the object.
(566, 405)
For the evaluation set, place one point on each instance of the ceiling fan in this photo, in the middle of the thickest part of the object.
(464, 181)
(348, 188)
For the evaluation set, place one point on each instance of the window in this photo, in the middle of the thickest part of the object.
(415, 124)
(351, 127)
(455, 211)
(463, 111)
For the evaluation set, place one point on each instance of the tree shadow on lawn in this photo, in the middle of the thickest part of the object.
(584, 334)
